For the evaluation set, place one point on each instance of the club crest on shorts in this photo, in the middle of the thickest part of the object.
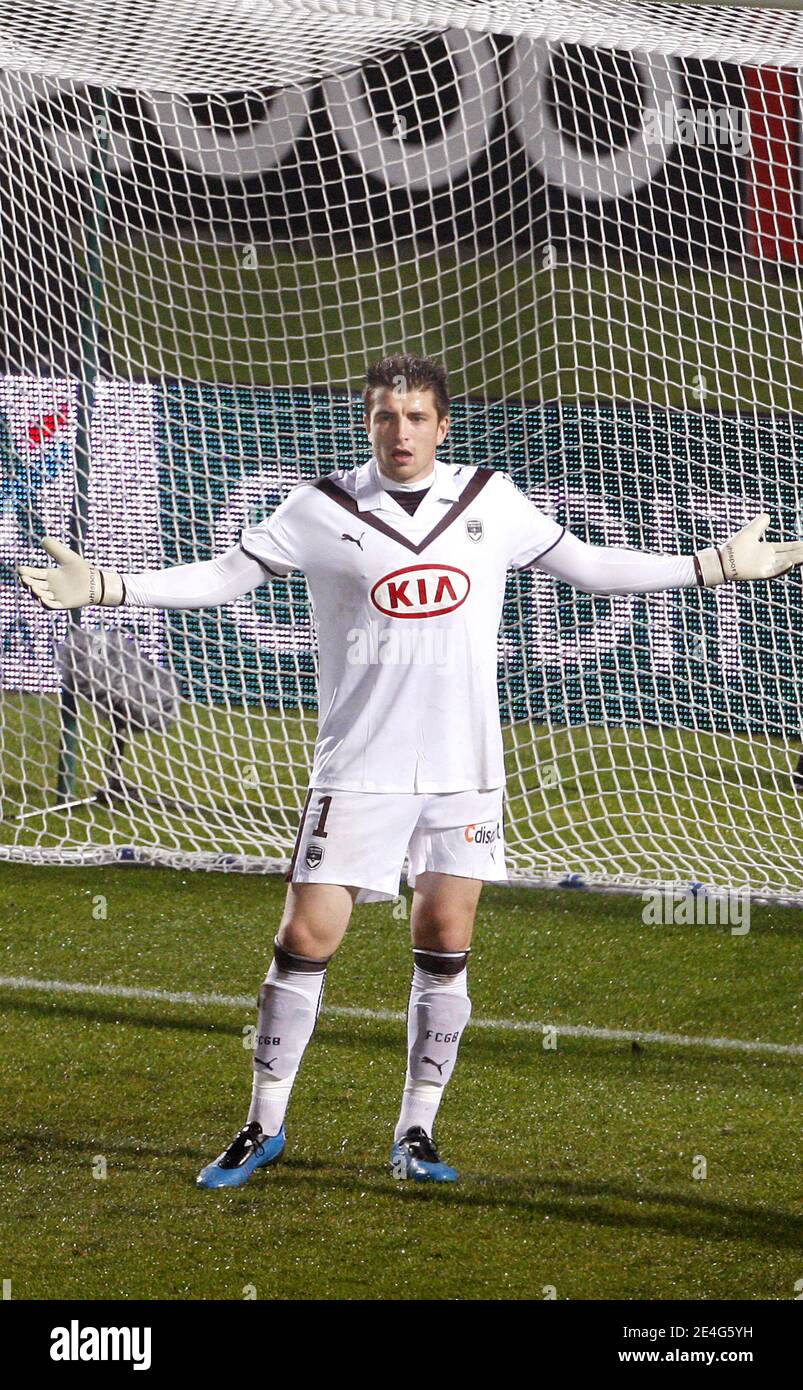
(474, 528)
(313, 856)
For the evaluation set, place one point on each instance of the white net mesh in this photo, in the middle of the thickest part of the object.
(217, 45)
(217, 215)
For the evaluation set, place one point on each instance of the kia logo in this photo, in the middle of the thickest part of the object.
(421, 591)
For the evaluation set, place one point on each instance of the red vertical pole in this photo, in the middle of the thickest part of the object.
(773, 103)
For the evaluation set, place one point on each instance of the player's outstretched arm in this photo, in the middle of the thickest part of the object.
(747, 556)
(610, 570)
(74, 582)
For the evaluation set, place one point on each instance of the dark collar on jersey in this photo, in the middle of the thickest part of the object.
(369, 493)
(463, 499)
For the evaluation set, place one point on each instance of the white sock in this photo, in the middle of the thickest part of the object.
(289, 1003)
(438, 1012)
(269, 1101)
(420, 1101)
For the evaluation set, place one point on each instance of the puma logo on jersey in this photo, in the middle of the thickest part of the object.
(267, 1065)
(356, 539)
(439, 1065)
(421, 591)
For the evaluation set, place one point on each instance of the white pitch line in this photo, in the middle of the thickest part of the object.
(509, 1025)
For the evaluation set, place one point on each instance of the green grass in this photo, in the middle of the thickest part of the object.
(271, 316)
(577, 1163)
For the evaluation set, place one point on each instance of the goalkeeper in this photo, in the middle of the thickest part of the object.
(408, 758)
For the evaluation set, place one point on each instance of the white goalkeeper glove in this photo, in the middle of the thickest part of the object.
(73, 583)
(747, 556)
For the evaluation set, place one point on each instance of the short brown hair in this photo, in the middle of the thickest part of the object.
(418, 373)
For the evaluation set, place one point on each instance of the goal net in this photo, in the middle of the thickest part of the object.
(216, 214)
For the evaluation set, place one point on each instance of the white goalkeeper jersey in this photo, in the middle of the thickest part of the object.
(406, 611)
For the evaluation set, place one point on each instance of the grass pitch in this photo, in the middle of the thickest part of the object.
(577, 1163)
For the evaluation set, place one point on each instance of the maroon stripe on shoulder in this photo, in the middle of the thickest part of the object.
(542, 553)
(470, 491)
(343, 499)
(275, 573)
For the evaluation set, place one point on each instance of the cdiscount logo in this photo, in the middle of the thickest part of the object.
(482, 834)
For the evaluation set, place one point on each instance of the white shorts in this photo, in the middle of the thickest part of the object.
(360, 839)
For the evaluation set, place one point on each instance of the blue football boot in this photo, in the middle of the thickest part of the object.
(248, 1150)
(415, 1156)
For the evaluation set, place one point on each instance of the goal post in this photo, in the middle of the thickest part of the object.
(90, 317)
(589, 212)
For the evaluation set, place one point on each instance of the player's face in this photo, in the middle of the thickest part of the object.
(405, 431)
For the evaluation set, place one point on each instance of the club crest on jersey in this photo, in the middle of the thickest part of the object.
(474, 528)
(313, 856)
(421, 591)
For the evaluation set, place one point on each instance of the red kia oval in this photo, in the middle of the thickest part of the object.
(421, 591)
